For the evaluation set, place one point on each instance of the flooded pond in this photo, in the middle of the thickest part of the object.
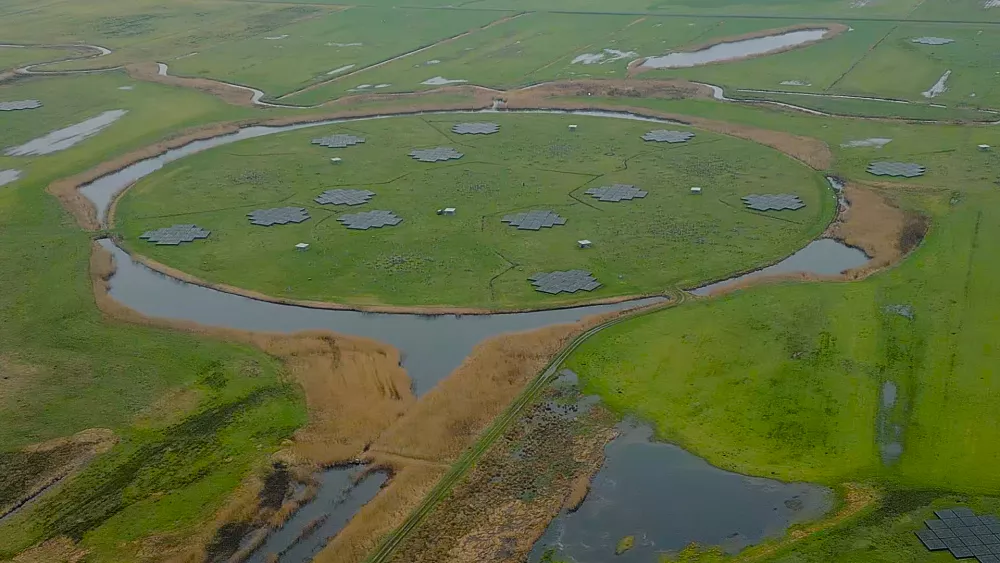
(735, 49)
(342, 492)
(821, 257)
(874, 142)
(890, 434)
(667, 498)
(8, 176)
(65, 138)
(441, 81)
(939, 87)
(432, 346)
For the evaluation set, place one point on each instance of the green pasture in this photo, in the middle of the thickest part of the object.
(305, 53)
(784, 380)
(948, 151)
(145, 29)
(846, 107)
(820, 65)
(899, 68)
(193, 415)
(886, 9)
(644, 246)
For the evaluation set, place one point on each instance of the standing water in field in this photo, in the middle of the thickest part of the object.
(8, 176)
(666, 499)
(65, 138)
(342, 492)
(939, 87)
(822, 257)
(735, 49)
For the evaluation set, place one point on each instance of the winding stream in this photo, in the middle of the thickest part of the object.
(431, 346)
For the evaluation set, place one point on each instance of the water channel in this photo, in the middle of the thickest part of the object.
(342, 492)
(735, 49)
(431, 346)
(823, 257)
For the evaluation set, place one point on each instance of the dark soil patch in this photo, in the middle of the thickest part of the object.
(915, 227)
(276, 487)
(226, 541)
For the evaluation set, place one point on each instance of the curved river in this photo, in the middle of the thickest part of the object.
(431, 346)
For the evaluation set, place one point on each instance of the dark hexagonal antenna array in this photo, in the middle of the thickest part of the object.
(338, 141)
(665, 136)
(773, 202)
(933, 40)
(964, 534)
(18, 105)
(345, 197)
(616, 193)
(903, 169)
(175, 234)
(534, 220)
(370, 219)
(482, 128)
(278, 216)
(438, 154)
(569, 281)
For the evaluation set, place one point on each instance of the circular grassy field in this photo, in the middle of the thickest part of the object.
(668, 239)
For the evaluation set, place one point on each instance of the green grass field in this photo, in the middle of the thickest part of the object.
(670, 238)
(194, 415)
(779, 381)
(784, 380)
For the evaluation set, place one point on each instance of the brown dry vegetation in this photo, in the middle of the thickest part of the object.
(57, 550)
(358, 395)
(873, 224)
(443, 423)
(832, 30)
(149, 72)
(450, 417)
(504, 505)
(354, 390)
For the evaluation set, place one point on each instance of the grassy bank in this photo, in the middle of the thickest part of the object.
(193, 416)
(473, 259)
(784, 380)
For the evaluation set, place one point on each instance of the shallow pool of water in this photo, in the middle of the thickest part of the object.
(735, 49)
(341, 494)
(432, 346)
(9, 176)
(890, 435)
(668, 498)
(63, 139)
(822, 257)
